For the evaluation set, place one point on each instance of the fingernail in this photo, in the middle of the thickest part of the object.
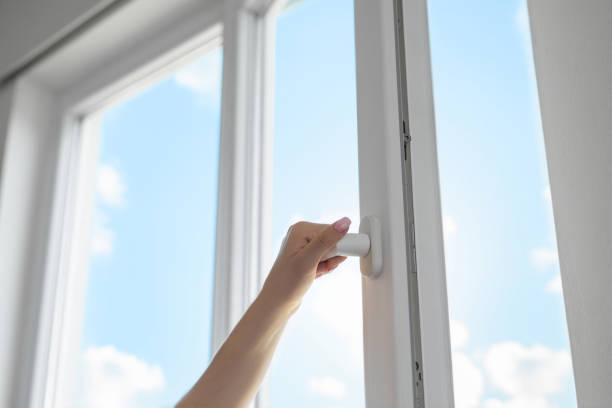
(342, 225)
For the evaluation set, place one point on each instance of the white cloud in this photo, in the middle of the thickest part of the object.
(554, 285)
(467, 381)
(203, 77)
(103, 237)
(110, 185)
(102, 241)
(527, 375)
(527, 372)
(459, 334)
(115, 379)
(544, 257)
(111, 190)
(327, 387)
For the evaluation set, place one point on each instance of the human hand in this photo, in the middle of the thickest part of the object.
(299, 263)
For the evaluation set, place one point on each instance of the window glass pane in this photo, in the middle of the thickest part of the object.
(147, 325)
(508, 329)
(319, 359)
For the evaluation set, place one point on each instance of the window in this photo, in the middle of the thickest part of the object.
(146, 211)
(316, 179)
(508, 329)
(146, 333)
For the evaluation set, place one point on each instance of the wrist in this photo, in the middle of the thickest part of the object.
(273, 306)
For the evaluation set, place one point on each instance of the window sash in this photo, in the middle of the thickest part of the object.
(390, 300)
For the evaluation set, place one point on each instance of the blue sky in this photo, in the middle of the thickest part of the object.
(146, 334)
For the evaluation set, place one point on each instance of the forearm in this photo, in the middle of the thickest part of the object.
(235, 373)
(237, 369)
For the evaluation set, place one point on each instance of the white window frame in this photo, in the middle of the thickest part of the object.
(57, 154)
(68, 130)
(388, 337)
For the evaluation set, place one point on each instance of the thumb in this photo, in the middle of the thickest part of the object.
(327, 239)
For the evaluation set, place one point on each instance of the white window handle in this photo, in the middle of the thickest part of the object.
(367, 245)
(350, 245)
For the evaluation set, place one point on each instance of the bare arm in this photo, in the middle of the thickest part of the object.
(237, 369)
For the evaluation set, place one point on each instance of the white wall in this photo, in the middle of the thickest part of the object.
(28, 26)
(573, 54)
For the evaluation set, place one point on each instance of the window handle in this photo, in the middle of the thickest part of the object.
(367, 245)
(350, 245)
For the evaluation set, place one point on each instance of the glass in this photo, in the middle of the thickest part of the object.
(146, 334)
(319, 361)
(508, 329)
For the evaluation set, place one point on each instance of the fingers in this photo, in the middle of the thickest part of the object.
(327, 239)
(300, 234)
(329, 265)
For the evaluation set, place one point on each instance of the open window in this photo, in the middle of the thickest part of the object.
(508, 328)
(317, 110)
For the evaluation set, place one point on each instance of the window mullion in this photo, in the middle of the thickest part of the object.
(244, 150)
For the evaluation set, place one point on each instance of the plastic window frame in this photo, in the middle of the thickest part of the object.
(69, 131)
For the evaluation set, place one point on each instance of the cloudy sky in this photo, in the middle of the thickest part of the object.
(146, 335)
